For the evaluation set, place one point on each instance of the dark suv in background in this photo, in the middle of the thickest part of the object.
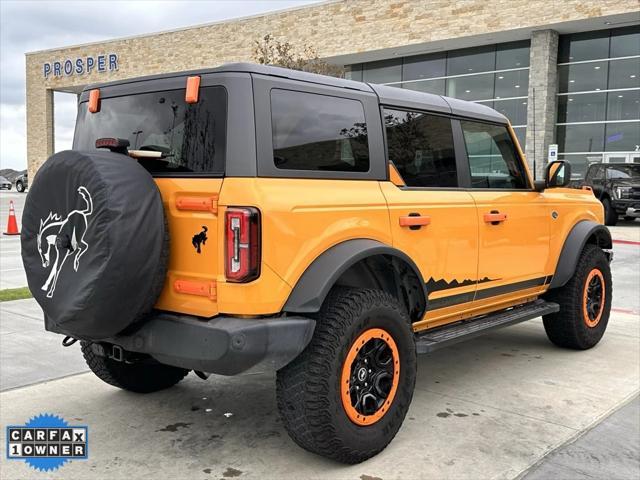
(22, 182)
(617, 186)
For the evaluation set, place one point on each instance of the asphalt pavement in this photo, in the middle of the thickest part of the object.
(505, 405)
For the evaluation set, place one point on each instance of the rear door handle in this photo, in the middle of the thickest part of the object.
(495, 217)
(414, 221)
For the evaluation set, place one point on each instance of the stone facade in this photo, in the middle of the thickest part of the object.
(334, 28)
(542, 101)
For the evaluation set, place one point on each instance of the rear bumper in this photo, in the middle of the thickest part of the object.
(221, 345)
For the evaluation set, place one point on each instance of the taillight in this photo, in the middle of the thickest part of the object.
(242, 244)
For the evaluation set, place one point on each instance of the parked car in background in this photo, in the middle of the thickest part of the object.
(22, 182)
(617, 186)
(5, 184)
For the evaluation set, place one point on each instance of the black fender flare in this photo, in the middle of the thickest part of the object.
(313, 286)
(573, 246)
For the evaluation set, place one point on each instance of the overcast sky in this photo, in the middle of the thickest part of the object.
(26, 26)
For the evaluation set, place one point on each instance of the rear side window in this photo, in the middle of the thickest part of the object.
(421, 148)
(318, 132)
(492, 157)
(191, 137)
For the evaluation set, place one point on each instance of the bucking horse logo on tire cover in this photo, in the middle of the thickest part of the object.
(66, 238)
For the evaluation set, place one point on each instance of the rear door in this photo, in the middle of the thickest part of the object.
(513, 219)
(184, 146)
(432, 220)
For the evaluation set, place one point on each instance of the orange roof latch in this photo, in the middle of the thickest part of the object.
(94, 100)
(193, 88)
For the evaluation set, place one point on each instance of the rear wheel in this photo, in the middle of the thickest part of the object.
(346, 396)
(610, 214)
(585, 303)
(136, 377)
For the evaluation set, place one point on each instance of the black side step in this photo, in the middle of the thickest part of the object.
(449, 334)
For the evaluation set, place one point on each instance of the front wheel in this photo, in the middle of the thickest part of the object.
(19, 187)
(346, 395)
(585, 303)
(610, 214)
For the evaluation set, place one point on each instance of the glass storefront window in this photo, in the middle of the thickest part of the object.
(580, 138)
(512, 55)
(587, 107)
(521, 134)
(354, 72)
(625, 42)
(424, 66)
(512, 84)
(623, 105)
(624, 73)
(622, 137)
(429, 86)
(583, 46)
(471, 60)
(582, 77)
(515, 110)
(384, 71)
(472, 87)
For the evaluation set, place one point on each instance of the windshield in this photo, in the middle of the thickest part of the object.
(191, 137)
(624, 172)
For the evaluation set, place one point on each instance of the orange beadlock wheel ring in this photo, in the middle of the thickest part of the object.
(593, 298)
(370, 376)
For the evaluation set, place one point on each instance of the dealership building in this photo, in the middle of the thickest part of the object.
(566, 73)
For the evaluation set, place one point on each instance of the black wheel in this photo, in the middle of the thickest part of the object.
(610, 214)
(585, 303)
(19, 187)
(346, 395)
(144, 377)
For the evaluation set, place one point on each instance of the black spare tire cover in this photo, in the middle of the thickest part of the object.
(94, 242)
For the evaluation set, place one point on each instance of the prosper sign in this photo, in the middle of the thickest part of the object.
(81, 65)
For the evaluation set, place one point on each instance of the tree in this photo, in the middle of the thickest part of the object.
(270, 51)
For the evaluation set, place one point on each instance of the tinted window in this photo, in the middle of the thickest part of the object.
(492, 157)
(624, 172)
(421, 148)
(190, 136)
(318, 132)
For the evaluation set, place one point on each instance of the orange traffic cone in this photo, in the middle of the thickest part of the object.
(12, 223)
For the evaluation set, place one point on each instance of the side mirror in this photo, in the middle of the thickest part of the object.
(558, 174)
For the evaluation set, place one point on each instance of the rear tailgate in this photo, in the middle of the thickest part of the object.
(191, 207)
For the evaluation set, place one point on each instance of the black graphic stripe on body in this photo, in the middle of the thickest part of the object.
(458, 299)
(434, 285)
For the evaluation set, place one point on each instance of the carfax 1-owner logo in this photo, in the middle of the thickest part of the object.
(46, 442)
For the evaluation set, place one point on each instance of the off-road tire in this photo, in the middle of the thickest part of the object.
(568, 328)
(19, 187)
(308, 389)
(136, 377)
(610, 214)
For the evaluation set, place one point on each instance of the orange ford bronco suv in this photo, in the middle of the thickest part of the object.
(251, 218)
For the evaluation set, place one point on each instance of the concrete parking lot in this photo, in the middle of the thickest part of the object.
(505, 405)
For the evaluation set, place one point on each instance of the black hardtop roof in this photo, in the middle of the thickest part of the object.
(388, 95)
